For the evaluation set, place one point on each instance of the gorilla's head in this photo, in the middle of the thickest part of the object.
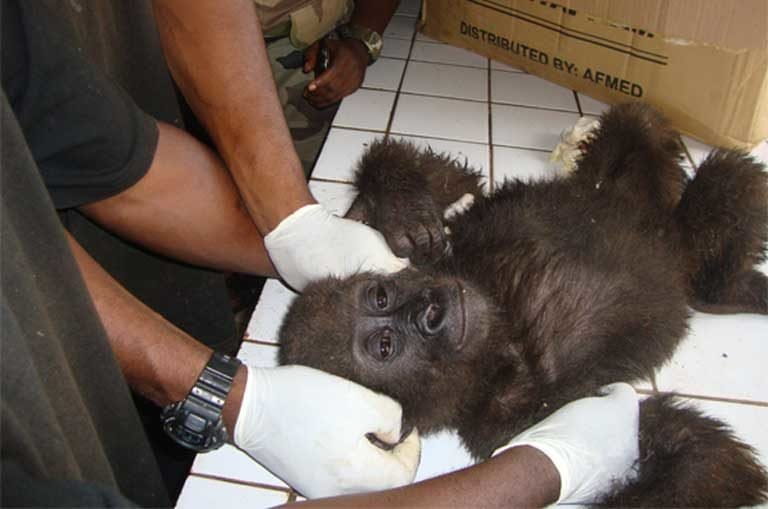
(416, 337)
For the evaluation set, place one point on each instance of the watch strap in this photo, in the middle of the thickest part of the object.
(196, 421)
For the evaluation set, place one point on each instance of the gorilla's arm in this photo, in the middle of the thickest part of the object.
(403, 192)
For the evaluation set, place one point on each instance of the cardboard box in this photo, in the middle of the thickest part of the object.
(704, 63)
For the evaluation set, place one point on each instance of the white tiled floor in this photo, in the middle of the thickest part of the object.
(438, 95)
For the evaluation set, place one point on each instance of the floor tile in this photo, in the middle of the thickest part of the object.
(760, 152)
(202, 493)
(723, 356)
(395, 48)
(696, 149)
(365, 109)
(446, 80)
(425, 38)
(529, 90)
(501, 66)
(441, 453)
(529, 128)
(475, 154)
(401, 27)
(441, 118)
(232, 463)
(255, 354)
(590, 106)
(446, 54)
(384, 74)
(408, 8)
(523, 164)
(273, 303)
(336, 197)
(343, 149)
(748, 422)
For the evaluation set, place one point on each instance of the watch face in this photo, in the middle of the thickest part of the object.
(371, 39)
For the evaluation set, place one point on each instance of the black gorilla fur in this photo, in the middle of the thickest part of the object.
(544, 291)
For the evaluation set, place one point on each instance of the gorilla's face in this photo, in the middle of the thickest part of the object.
(410, 335)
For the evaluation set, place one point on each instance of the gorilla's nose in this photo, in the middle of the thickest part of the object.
(430, 319)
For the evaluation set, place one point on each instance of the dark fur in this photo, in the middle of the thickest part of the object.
(566, 285)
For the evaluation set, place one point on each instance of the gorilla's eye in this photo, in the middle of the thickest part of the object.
(385, 347)
(382, 345)
(377, 295)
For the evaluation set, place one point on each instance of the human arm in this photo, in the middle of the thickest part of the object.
(520, 477)
(216, 53)
(348, 57)
(575, 454)
(317, 442)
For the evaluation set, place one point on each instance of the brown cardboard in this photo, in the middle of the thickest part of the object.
(704, 63)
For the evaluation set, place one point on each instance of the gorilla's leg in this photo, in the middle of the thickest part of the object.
(689, 460)
(636, 155)
(723, 219)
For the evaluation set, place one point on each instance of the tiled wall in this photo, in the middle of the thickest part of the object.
(504, 122)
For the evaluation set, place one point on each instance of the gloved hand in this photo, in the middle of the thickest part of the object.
(312, 243)
(308, 428)
(592, 442)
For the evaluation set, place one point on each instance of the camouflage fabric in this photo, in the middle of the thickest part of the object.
(305, 21)
(308, 124)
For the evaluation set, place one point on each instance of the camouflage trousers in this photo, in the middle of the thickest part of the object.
(308, 125)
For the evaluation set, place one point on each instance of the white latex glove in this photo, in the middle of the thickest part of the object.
(308, 428)
(592, 442)
(312, 243)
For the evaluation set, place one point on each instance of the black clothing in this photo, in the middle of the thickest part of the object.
(63, 66)
(70, 433)
(88, 138)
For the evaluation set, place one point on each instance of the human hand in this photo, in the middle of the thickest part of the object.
(593, 442)
(312, 243)
(348, 62)
(309, 428)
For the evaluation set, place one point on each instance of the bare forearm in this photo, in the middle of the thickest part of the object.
(157, 359)
(216, 53)
(519, 477)
(186, 207)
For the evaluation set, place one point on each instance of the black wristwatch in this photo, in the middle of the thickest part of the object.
(370, 39)
(196, 422)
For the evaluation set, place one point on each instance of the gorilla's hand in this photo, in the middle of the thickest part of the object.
(412, 226)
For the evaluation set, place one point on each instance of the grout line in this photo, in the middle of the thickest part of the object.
(262, 342)
(326, 180)
(687, 153)
(761, 404)
(578, 103)
(536, 107)
(489, 95)
(448, 64)
(400, 85)
(250, 484)
(520, 147)
(438, 138)
(359, 129)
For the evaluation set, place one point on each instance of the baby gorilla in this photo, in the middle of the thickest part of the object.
(545, 291)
